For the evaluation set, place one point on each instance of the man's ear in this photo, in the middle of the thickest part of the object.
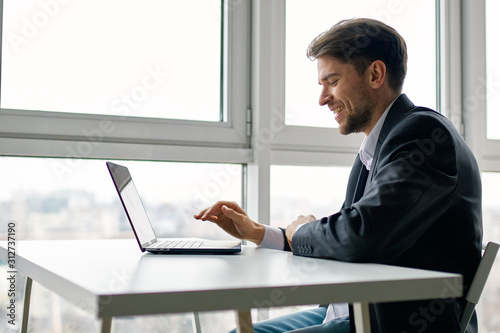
(378, 74)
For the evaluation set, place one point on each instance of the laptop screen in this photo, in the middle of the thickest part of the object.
(133, 204)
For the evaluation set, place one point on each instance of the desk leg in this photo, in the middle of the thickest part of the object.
(196, 322)
(244, 322)
(106, 324)
(362, 317)
(26, 308)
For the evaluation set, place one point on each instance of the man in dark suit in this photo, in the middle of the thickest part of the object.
(413, 196)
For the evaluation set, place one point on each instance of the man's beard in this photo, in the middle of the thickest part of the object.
(358, 120)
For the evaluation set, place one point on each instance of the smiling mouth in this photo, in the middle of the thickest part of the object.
(338, 110)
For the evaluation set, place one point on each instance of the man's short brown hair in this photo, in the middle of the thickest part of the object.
(360, 42)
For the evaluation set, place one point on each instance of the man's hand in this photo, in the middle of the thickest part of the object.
(233, 220)
(292, 228)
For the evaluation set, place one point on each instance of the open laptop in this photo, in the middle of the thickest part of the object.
(143, 230)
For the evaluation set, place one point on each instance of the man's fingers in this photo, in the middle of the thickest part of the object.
(216, 210)
(200, 214)
(209, 213)
(231, 213)
(203, 214)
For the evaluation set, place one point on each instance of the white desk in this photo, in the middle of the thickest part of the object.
(113, 278)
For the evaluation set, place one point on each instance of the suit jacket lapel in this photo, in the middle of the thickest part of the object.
(400, 107)
(356, 184)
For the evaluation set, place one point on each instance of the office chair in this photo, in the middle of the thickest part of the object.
(478, 283)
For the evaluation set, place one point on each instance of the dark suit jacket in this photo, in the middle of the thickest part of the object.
(421, 208)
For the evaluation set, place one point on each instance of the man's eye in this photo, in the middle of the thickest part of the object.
(332, 83)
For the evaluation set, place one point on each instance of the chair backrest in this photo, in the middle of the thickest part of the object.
(478, 283)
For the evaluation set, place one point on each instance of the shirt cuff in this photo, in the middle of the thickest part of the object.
(273, 238)
(336, 311)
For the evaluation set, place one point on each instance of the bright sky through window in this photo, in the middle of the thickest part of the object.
(307, 19)
(492, 70)
(153, 58)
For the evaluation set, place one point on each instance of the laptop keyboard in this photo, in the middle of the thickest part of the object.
(178, 244)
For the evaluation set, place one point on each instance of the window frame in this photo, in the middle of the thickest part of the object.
(474, 108)
(310, 140)
(58, 134)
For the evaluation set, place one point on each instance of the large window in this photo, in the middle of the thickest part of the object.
(125, 72)
(131, 81)
(306, 19)
(50, 199)
(317, 190)
(114, 57)
(491, 86)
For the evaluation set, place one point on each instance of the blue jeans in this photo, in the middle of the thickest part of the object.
(308, 321)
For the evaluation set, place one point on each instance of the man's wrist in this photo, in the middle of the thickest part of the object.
(259, 234)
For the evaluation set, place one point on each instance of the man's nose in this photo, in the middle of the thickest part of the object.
(324, 98)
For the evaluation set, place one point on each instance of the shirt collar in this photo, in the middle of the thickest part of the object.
(367, 149)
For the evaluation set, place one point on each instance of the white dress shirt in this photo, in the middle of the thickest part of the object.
(273, 236)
